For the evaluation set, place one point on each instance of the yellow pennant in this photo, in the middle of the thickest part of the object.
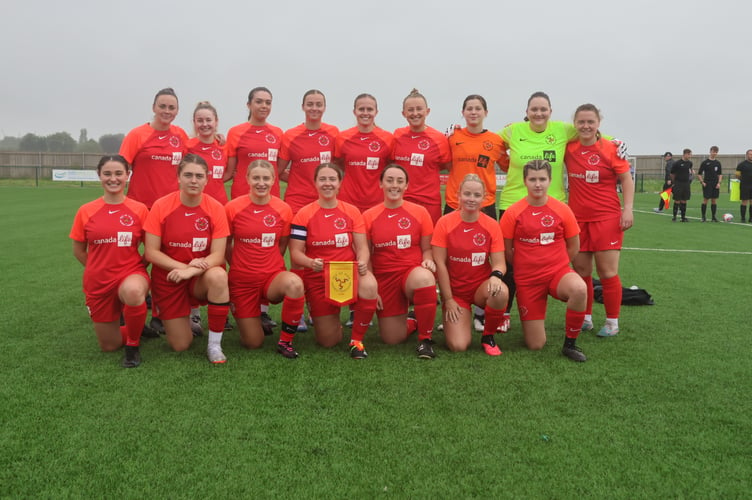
(341, 281)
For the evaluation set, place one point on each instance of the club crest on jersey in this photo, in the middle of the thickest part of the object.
(592, 176)
(125, 239)
(424, 144)
(200, 244)
(323, 140)
(416, 159)
(487, 145)
(271, 139)
(342, 240)
(374, 147)
(201, 224)
(404, 223)
(404, 241)
(268, 239)
(372, 163)
(594, 159)
(546, 238)
(216, 154)
(479, 239)
(340, 223)
(547, 220)
(126, 220)
(550, 139)
(270, 220)
(478, 259)
(175, 141)
(325, 156)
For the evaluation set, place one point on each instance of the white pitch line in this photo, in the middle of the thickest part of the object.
(678, 250)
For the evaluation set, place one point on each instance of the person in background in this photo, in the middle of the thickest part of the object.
(668, 160)
(594, 170)
(541, 239)
(207, 146)
(186, 235)
(106, 234)
(744, 174)
(710, 176)
(681, 180)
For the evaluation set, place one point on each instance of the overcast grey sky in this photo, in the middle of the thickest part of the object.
(666, 75)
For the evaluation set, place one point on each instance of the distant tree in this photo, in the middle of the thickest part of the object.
(90, 146)
(83, 136)
(110, 143)
(9, 143)
(60, 142)
(32, 142)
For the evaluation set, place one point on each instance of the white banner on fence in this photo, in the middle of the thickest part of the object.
(75, 175)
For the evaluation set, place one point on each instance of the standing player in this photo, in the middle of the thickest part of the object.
(260, 229)
(468, 249)
(186, 234)
(399, 235)
(253, 140)
(477, 151)
(668, 160)
(106, 234)
(154, 151)
(744, 174)
(363, 151)
(331, 230)
(423, 152)
(541, 239)
(681, 178)
(710, 176)
(303, 149)
(207, 146)
(594, 170)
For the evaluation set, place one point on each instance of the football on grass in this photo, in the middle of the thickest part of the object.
(728, 217)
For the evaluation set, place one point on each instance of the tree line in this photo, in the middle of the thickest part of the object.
(62, 142)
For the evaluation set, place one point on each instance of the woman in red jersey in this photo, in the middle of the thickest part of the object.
(363, 151)
(399, 235)
(260, 229)
(468, 249)
(106, 234)
(594, 169)
(154, 151)
(541, 239)
(253, 140)
(303, 149)
(423, 152)
(186, 235)
(207, 146)
(331, 230)
(477, 151)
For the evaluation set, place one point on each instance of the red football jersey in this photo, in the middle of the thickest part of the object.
(395, 234)
(112, 234)
(327, 232)
(422, 155)
(539, 235)
(305, 150)
(214, 155)
(186, 232)
(364, 156)
(468, 246)
(593, 172)
(256, 231)
(247, 143)
(154, 156)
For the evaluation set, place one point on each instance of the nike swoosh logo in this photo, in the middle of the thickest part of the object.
(204, 148)
(311, 134)
(584, 152)
(328, 215)
(364, 138)
(364, 324)
(113, 211)
(537, 213)
(468, 230)
(259, 131)
(257, 211)
(188, 214)
(162, 137)
(615, 242)
(522, 139)
(392, 215)
(458, 143)
(414, 136)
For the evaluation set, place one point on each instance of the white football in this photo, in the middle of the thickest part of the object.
(728, 217)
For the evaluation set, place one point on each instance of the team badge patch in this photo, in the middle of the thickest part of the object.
(271, 139)
(323, 140)
(270, 220)
(547, 220)
(479, 239)
(374, 147)
(201, 224)
(423, 144)
(404, 223)
(487, 145)
(126, 220)
(340, 223)
(217, 154)
(175, 141)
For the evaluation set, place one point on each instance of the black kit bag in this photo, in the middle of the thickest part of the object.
(629, 296)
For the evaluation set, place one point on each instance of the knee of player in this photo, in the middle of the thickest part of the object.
(294, 286)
